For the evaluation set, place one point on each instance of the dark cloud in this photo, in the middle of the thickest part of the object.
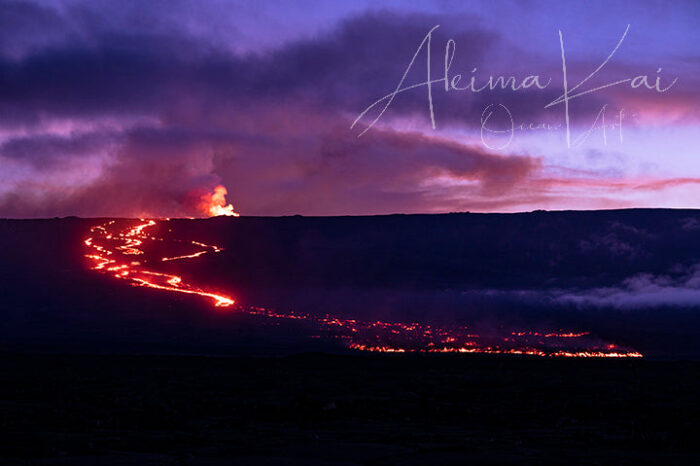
(47, 152)
(186, 112)
(272, 126)
(321, 169)
(345, 70)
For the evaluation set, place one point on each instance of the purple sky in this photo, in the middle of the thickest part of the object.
(135, 108)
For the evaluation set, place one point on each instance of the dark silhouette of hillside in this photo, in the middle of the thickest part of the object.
(528, 250)
(491, 271)
(494, 272)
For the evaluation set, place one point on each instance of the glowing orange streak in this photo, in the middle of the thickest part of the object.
(567, 335)
(221, 301)
(132, 270)
(190, 256)
(598, 354)
(452, 340)
(529, 352)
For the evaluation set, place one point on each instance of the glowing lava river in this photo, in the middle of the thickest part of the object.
(122, 249)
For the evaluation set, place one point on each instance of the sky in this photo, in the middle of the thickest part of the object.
(138, 108)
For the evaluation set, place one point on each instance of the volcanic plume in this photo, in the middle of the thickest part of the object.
(214, 204)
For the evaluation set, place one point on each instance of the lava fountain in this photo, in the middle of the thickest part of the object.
(214, 204)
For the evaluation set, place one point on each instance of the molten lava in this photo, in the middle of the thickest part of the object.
(110, 251)
(112, 247)
(214, 204)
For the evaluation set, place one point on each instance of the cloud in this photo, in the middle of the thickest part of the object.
(99, 69)
(642, 291)
(272, 126)
(125, 110)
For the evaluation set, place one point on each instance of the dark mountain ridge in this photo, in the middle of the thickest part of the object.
(628, 275)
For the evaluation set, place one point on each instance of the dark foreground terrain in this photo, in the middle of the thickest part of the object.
(364, 409)
(72, 393)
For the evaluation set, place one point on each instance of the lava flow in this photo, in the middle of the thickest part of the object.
(112, 253)
(119, 249)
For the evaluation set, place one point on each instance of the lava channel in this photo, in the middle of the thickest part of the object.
(120, 251)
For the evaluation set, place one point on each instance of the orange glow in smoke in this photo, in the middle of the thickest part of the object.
(111, 248)
(214, 204)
